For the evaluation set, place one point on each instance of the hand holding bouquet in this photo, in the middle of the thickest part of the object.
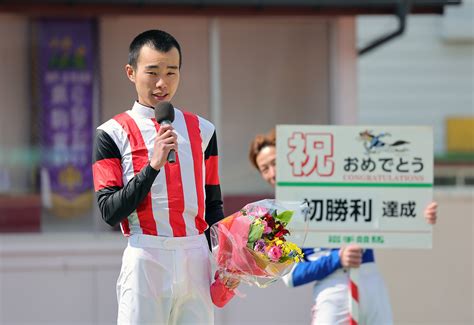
(252, 246)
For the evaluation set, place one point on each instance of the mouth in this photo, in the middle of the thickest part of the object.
(160, 97)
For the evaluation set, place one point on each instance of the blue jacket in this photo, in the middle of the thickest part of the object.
(318, 264)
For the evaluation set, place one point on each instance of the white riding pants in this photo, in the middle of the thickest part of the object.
(165, 280)
(332, 300)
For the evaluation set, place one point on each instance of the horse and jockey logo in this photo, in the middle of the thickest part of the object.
(374, 143)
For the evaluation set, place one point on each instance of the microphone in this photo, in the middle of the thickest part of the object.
(164, 114)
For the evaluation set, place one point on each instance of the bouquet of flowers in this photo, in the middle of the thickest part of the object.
(252, 244)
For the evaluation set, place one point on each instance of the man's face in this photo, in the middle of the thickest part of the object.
(156, 76)
(266, 162)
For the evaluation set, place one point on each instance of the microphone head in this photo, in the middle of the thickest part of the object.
(164, 111)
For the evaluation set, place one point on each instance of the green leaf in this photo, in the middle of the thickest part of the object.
(255, 233)
(285, 216)
(285, 258)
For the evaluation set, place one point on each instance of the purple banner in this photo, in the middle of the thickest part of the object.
(66, 78)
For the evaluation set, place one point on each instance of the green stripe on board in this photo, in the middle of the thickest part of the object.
(300, 184)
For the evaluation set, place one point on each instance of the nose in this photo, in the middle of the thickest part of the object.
(272, 173)
(161, 83)
(272, 170)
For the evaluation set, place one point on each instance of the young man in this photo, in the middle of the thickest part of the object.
(328, 267)
(163, 208)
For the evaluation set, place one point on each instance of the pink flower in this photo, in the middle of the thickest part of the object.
(274, 253)
(266, 229)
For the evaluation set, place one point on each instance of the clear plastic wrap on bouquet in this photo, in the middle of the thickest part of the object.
(256, 244)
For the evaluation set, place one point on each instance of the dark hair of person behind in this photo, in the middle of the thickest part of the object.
(258, 143)
(157, 39)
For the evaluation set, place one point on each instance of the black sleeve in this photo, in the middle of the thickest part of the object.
(214, 211)
(117, 203)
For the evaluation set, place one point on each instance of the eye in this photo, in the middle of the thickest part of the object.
(151, 73)
(171, 73)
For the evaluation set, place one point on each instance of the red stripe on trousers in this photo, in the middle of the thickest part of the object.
(107, 173)
(354, 291)
(355, 296)
(174, 187)
(212, 170)
(194, 132)
(139, 160)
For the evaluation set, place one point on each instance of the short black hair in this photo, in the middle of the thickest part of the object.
(155, 38)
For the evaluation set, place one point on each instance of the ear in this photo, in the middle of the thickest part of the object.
(130, 72)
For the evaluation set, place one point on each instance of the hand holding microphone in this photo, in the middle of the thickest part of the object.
(166, 140)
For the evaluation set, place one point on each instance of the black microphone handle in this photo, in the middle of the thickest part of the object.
(172, 154)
